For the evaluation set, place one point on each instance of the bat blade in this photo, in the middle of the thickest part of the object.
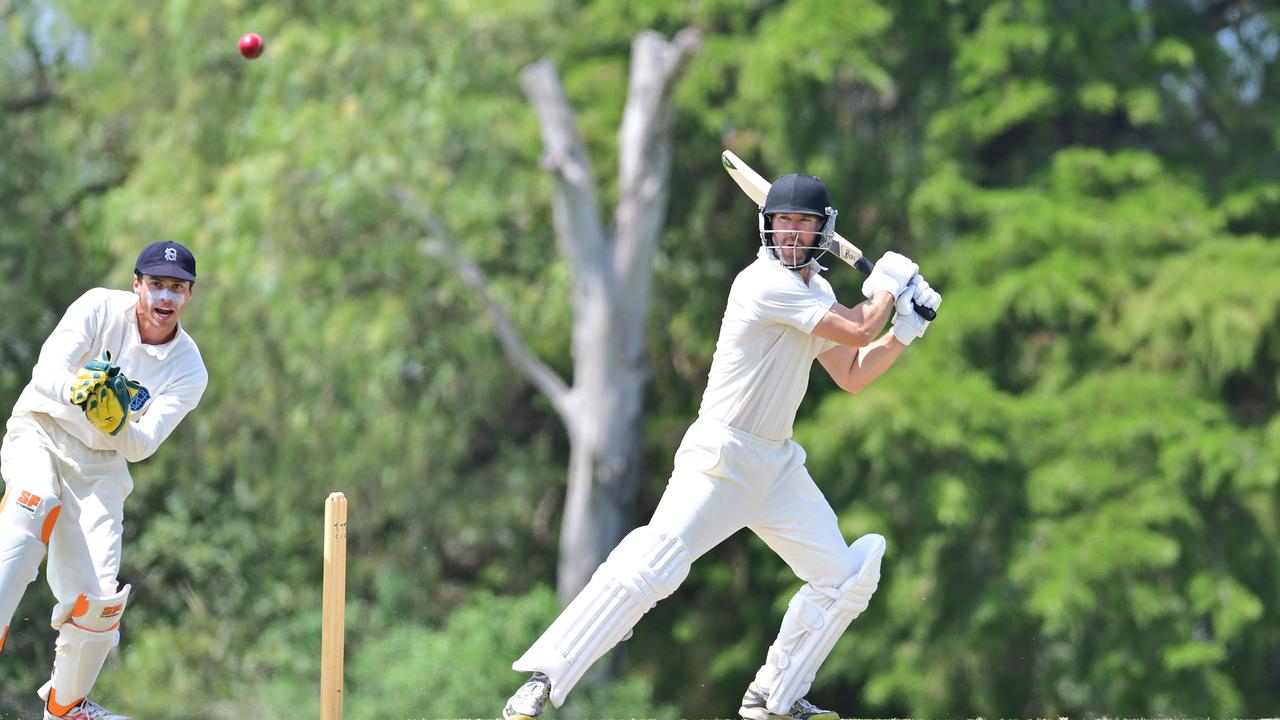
(757, 188)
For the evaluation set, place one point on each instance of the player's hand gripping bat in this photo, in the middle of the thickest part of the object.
(756, 188)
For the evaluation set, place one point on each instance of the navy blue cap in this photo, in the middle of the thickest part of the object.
(166, 259)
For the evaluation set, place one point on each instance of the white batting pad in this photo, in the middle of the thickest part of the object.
(646, 567)
(815, 619)
(82, 647)
(25, 523)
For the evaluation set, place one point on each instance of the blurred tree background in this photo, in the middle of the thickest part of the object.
(1076, 470)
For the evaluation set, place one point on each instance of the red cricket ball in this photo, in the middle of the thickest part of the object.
(251, 45)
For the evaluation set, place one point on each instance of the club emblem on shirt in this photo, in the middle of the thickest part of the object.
(139, 400)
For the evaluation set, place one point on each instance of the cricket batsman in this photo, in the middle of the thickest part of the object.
(113, 380)
(738, 466)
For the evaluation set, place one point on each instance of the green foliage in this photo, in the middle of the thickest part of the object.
(1076, 469)
(396, 666)
(52, 163)
(458, 670)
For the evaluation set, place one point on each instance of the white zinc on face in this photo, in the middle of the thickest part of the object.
(160, 302)
(159, 295)
(163, 292)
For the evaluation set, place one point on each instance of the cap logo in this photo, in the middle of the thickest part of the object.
(171, 254)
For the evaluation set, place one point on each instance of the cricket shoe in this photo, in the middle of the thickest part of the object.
(529, 700)
(87, 710)
(753, 708)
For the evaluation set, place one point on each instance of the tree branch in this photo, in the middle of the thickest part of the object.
(28, 102)
(80, 195)
(44, 93)
(439, 244)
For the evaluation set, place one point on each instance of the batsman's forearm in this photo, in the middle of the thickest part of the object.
(871, 361)
(875, 312)
(857, 326)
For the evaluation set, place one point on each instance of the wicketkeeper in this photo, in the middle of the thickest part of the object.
(738, 466)
(113, 380)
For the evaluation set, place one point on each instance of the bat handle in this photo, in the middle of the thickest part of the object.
(864, 266)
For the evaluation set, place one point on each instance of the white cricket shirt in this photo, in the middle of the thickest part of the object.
(760, 370)
(173, 375)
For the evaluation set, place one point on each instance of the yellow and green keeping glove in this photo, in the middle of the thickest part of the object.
(91, 377)
(108, 405)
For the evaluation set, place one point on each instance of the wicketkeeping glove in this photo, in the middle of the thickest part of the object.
(91, 377)
(108, 405)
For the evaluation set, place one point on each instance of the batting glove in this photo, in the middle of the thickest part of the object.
(907, 323)
(891, 274)
(918, 293)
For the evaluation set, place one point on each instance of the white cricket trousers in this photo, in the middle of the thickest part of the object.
(84, 548)
(726, 479)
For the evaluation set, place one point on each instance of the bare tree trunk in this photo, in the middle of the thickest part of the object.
(611, 280)
(612, 276)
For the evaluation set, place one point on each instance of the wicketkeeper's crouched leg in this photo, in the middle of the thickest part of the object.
(26, 521)
(647, 566)
(815, 619)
